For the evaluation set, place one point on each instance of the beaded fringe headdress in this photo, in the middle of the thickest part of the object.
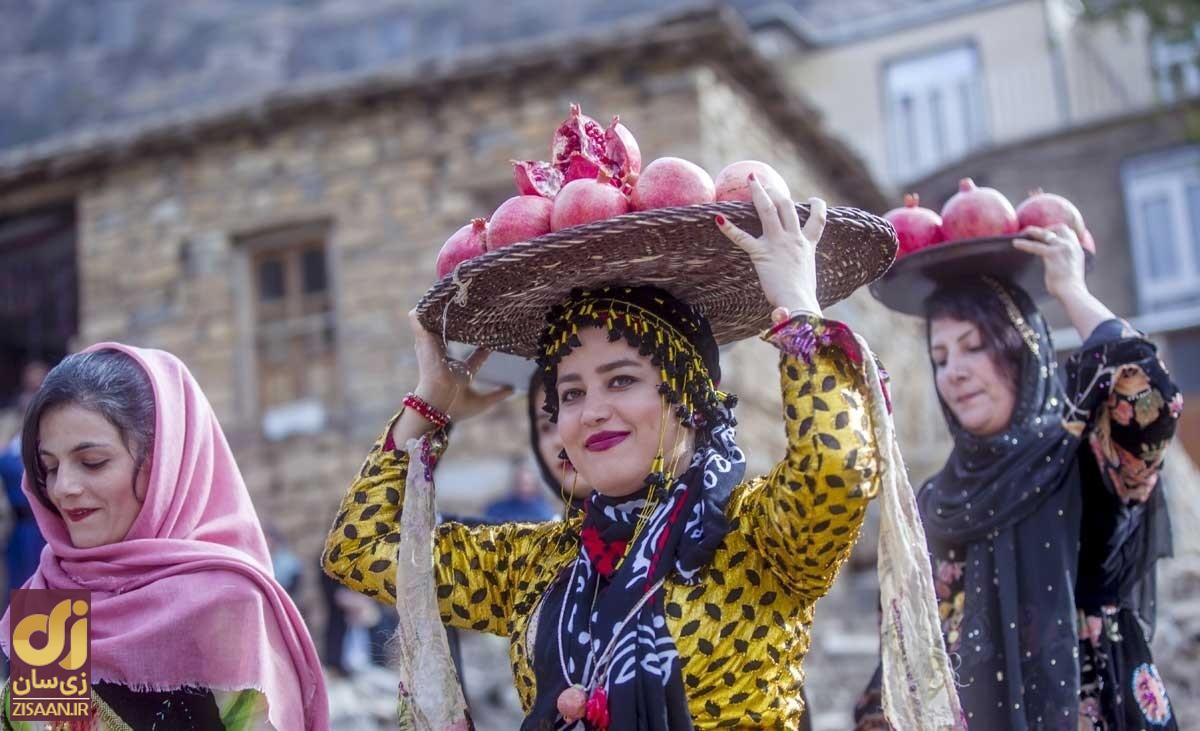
(675, 338)
(658, 327)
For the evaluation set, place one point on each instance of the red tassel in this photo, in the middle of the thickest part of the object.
(597, 708)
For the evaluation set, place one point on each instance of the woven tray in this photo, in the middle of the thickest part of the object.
(913, 278)
(499, 300)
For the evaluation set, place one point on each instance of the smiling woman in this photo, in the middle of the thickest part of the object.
(608, 396)
(135, 489)
(682, 595)
(91, 473)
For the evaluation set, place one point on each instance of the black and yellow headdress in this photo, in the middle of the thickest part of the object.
(675, 337)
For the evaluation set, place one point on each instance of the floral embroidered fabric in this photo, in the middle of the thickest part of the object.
(1123, 404)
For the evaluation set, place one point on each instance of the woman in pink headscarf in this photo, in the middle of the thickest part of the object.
(137, 493)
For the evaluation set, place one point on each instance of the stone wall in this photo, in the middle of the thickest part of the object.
(160, 263)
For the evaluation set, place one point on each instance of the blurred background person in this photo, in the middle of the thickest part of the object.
(288, 570)
(525, 501)
(25, 541)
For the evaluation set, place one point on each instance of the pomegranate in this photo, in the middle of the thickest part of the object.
(519, 218)
(916, 227)
(672, 181)
(581, 150)
(583, 201)
(537, 178)
(466, 243)
(578, 146)
(1047, 209)
(579, 167)
(622, 149)
(975, 212)
(732, 185)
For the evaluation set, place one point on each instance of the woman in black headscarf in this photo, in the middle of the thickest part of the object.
(1047, 519)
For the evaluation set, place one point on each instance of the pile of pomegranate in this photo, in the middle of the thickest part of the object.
(595, 173)
(974, 213)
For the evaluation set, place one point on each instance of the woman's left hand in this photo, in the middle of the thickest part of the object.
(784, 256)
(1062, 255)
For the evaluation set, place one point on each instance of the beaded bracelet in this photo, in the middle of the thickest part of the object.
(429, 413)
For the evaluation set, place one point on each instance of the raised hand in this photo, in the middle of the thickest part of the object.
(1062, 255)
(784, 256)
(1060, 252)
(446, 384)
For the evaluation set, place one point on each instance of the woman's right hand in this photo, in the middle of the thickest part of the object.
(445, 384)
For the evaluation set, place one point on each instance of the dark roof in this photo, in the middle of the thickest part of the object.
(818, 23)
(69, 66)
(725, 38)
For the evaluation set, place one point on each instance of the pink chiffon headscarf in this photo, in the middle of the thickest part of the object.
(189, 597)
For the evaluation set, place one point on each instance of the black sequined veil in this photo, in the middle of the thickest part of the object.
(1008, 507)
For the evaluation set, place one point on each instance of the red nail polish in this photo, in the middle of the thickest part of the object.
(720, 220)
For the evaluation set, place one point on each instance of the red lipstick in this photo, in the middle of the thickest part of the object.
(601, 441)
(79, 514)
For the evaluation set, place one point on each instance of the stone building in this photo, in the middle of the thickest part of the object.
(276, 245)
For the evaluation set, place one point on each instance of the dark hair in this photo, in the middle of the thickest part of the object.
(981, 307)
(107, 382)
(537, 385)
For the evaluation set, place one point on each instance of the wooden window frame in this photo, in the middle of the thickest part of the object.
(916, 143)
(297, 315)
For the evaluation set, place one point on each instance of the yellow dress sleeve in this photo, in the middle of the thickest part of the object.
(477, 569)
(806, 514)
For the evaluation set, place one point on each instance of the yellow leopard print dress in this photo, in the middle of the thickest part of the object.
(743, 631)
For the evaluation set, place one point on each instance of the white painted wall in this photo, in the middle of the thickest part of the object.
(1042, 70)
